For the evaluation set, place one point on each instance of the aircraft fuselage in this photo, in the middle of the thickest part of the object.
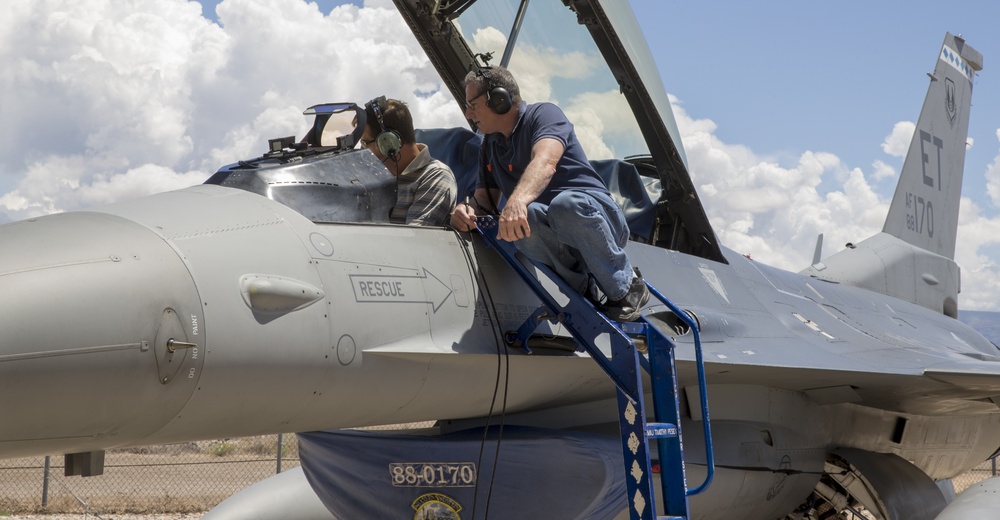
(289, 325)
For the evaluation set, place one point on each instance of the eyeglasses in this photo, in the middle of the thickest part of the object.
(365, 143)
(470, 104)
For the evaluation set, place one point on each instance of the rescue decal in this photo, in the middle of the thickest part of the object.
(418, 288)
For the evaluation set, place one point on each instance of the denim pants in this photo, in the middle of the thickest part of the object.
(581, 235)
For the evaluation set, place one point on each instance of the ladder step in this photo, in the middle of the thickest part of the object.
(661, 431)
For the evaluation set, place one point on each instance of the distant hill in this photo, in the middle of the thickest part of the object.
(987, 323)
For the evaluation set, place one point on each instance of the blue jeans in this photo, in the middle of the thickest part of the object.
(581, 235)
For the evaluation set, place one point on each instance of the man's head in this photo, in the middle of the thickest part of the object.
(388, 128)
(491, 95)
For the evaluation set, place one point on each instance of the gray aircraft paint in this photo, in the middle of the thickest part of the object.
(399, 324)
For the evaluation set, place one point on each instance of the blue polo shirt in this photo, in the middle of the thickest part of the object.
(507, 158)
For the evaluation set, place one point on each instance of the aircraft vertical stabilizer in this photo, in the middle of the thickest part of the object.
(924, 210)
(913, 257)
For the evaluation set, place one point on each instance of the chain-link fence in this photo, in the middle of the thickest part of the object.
(981, 472)
(180, 478)
(175, 478)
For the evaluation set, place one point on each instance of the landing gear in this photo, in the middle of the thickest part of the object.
(863, 485)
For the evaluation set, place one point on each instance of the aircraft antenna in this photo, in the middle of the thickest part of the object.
(818, 252)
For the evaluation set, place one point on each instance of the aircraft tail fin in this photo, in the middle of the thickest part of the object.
(913, 257)
(924, 210)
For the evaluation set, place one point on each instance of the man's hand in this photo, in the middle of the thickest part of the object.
(463, 217)
(514, 221)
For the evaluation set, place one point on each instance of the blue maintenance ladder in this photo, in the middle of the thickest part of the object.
(586, 324)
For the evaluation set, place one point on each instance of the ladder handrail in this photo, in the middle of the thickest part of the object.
(702, 388)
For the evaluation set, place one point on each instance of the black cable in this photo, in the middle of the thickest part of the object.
(473, 262)
(503, 416)
(785, 471)
(498, 337)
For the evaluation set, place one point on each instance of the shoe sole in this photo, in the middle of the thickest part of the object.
(634, 315)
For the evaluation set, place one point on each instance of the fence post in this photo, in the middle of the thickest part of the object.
(993, 462)
(281, 446)
(45, 482)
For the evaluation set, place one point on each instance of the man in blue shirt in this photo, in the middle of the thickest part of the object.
(558, 211)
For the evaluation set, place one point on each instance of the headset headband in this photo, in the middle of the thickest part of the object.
(378, 106)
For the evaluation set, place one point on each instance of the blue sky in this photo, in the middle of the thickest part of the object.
(794, 102)
(783, 77)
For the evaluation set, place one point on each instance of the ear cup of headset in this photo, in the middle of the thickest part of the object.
(389, 143)
(498, 99)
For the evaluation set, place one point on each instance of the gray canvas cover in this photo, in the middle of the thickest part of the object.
(541, 474)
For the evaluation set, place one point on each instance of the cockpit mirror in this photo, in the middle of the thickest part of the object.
(335, 124)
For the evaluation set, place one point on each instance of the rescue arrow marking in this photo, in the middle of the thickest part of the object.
(419, 288)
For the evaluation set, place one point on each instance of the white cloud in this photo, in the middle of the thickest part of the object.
(898, 141)
(881, 170)
(106, 101)
(106, 90)
(604, 124)
(980, 272)
(774, 212)
(993, 178)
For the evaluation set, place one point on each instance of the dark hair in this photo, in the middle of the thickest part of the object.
(487, 77)
(396, 117)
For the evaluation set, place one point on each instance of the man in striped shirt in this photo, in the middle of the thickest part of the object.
(426, 190)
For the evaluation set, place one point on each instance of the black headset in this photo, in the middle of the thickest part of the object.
(497, 97)
(388, 141)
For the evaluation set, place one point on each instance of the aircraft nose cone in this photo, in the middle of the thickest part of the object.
(84, 298)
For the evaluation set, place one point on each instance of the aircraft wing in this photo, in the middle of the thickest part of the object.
(931, 392)
(970, 380)
(907, 377)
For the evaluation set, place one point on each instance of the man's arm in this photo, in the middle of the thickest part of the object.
(545, 154)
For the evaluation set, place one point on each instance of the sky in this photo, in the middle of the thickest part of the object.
(794, 115)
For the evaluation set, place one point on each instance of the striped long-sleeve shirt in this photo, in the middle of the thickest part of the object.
(426, 192)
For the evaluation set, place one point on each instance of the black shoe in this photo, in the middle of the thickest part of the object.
(628, 307)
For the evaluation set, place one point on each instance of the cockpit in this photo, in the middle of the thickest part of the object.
(328, 179)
